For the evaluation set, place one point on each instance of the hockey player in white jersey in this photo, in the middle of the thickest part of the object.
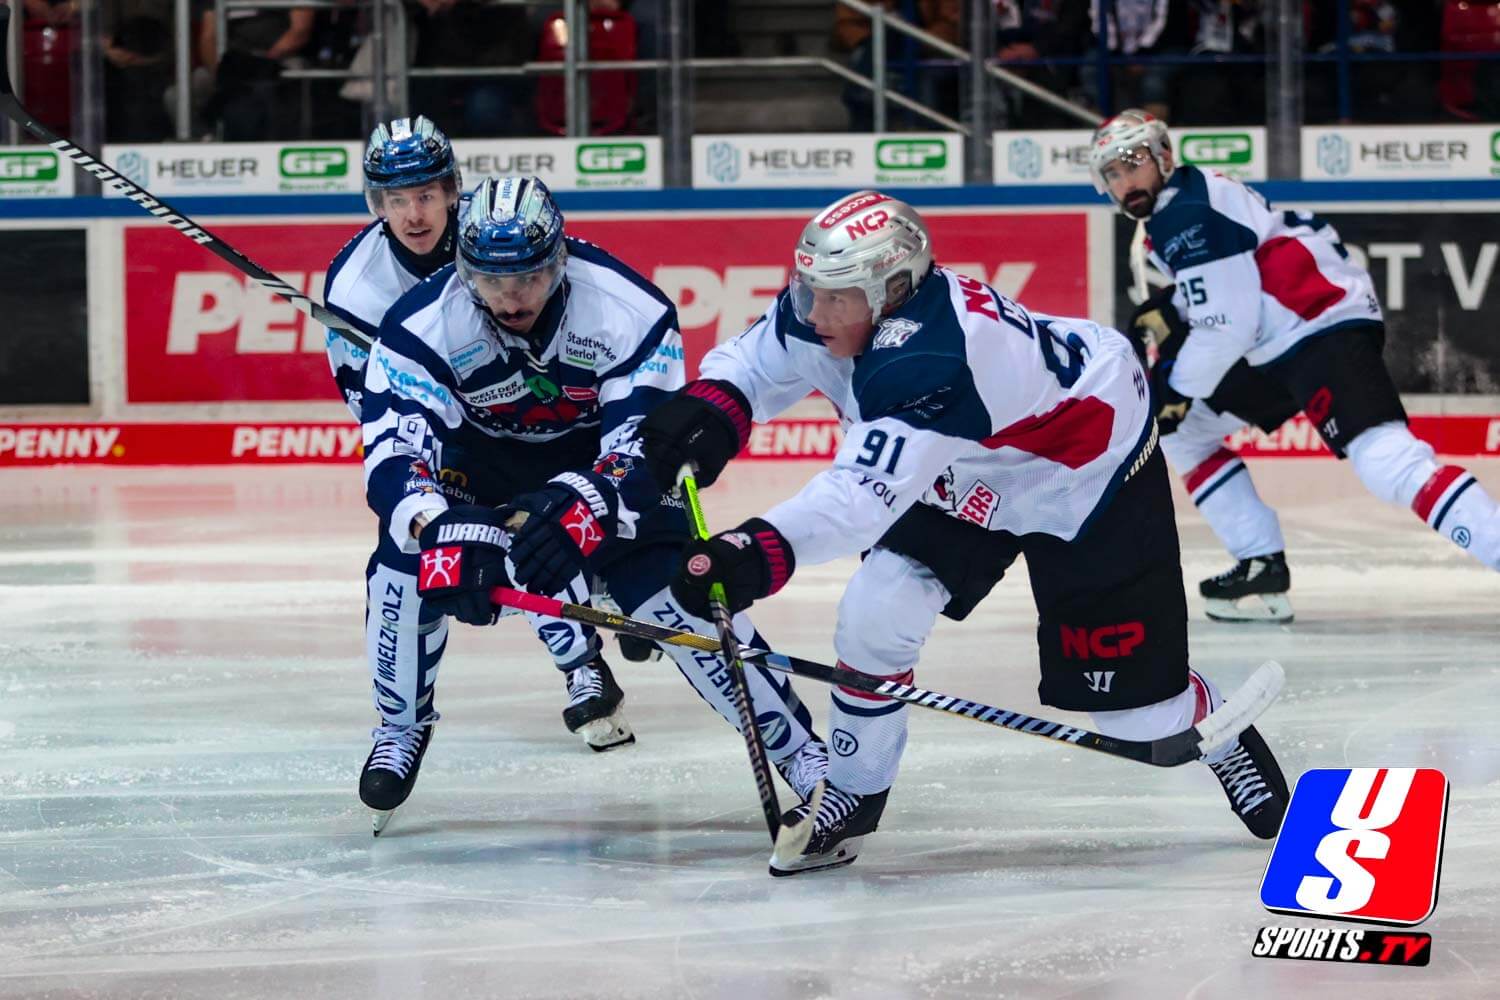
(1267, 316)
(535, 356)
(412, 185)
(976, 431)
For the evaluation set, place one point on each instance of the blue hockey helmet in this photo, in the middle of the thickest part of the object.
(407, 152)
(510, 228)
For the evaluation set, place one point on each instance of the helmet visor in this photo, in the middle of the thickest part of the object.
(840, 306)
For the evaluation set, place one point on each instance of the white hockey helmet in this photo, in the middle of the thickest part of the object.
(1127, 136)
(867, 240)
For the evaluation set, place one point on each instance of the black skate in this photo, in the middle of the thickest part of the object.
(593, 710)
(391, 769)
(1264, 580)
(826, 831)
(1252, 780)
(805, 768)
(637, 650)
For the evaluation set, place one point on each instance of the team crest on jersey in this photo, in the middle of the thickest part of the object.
(894, 332)
(1191, 238)
(614, 465)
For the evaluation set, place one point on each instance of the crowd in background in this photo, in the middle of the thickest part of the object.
(1193, 61)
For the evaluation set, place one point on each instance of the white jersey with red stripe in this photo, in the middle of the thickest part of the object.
(965, 400)
(1252, 282)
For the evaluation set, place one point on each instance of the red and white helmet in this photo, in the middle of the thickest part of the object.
(867, 240)
(1123, 137)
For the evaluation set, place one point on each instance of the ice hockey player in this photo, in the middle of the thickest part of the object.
(412, 185)
(976, 431)
(535, 356)
(1267, 316)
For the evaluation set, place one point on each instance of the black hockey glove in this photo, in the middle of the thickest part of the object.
(1171, 405)
(706, 424)
(752, 561)
(1156, 321)
(566, 521)
(463, 557)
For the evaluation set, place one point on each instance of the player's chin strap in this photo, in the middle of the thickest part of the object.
(1239, 710)
(728, 649)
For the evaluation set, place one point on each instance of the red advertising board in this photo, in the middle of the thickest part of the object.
(196, 331)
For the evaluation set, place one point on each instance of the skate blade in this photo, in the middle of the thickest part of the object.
(844, 854)
(381, 818)
(609, 733)
(1274, 608)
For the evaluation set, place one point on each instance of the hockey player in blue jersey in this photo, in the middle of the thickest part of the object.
(534, 357)
(976, 431)
(1267, 316)
(412, 185)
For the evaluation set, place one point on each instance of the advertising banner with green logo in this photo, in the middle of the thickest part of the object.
(828, 160)
(1400, 152)
(566, 164)
(34, 172)
(1062, 157)
(310, 167)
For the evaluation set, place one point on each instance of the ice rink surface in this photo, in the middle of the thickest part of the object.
(184, 710)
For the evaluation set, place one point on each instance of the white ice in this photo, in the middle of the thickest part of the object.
(184, 711)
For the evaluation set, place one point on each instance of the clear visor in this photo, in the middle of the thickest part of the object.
(1120, 158)
(831, 305)
(532, 287)
(388, 201)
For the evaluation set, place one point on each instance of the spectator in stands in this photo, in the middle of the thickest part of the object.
(49, 41)
(612, 36)
(1215, 93)
(1039, 29)
(248, 100)
(1470, 90)
(137, 70)
(1379, 91)
(1140, 29)
(472, 33)
(936, 87)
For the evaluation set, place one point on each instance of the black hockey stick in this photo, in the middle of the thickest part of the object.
(1239, 710)
(728, 650)
(16, 112)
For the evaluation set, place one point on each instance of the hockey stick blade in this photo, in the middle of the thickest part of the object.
(1242, 708)
(792, 840)
(13, 109)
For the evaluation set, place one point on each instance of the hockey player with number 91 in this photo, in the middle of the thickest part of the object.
(976, 431)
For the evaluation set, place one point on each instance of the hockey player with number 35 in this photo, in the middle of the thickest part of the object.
(535, 355)
(1267, 316)
(976, 431)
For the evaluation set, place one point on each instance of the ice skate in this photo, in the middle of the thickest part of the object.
(1255, 590)
(805, 768)
(826, 831)
(1254, 784)
(391, 769)
(593, 710)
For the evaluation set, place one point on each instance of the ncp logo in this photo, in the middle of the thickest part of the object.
(723, 162)
(612, 158)
(1333, 154)
(299, 162)
(1025, 158)
(40, 165)
(1361, 843)
(911, 154)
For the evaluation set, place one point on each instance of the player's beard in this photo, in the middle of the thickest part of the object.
(1139, 204)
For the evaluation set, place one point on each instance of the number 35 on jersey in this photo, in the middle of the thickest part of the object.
(1362, 843)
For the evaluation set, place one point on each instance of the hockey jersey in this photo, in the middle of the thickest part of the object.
(604, 350)
(965, 400)
(1251, 282)
(366, 278)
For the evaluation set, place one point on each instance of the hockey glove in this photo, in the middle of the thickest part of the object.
(752, 561)
(463, 557)
(705, 425)
(566, 521)
(1156, 322)
(1171, 405)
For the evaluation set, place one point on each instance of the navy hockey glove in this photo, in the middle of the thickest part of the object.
(566, 521)
(1156, 322)
(463, 557)
(705, 425)
(752, 561)
(1171, 405)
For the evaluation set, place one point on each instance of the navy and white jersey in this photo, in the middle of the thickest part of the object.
(364, 280)
(965, 400)
(604, 350)
(1251, 282)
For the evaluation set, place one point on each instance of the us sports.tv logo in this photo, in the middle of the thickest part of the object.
(1362, 843)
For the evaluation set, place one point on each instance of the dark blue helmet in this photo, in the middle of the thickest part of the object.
(510, 227)
(408, 152)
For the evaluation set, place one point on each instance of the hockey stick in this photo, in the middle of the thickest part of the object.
(16, 112)
(1239, 710)
(728, 650)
